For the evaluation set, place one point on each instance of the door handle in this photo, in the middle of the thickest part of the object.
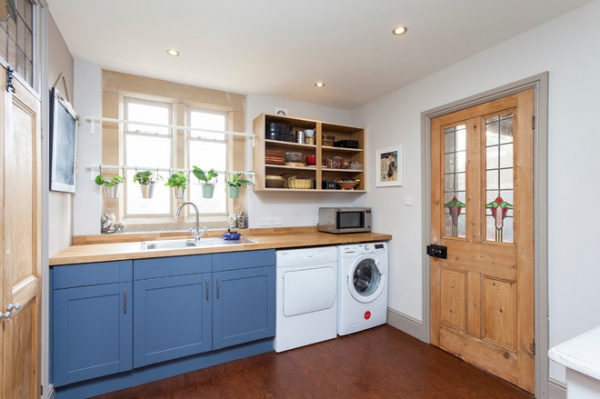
(437, 251)
(9, 309)
(16, 306)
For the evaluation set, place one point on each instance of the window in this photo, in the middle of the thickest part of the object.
(16, 40)
(208, 150)
(152, 144)
(147, 147)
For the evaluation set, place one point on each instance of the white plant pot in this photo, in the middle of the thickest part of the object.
(147, 190)
(111, 192)
(179, 192)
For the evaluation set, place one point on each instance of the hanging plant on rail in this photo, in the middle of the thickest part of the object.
(147, 180)
(110, 186)
(177, 181)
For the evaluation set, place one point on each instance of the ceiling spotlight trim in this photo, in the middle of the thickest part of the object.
(399, 30)
(320, 84)
(172, 52)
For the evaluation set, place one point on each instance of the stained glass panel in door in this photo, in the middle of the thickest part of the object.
(455, 166)
(499, 178)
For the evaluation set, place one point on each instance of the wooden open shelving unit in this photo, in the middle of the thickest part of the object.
(317, 173)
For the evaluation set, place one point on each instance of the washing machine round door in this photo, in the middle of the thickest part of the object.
(366, 280)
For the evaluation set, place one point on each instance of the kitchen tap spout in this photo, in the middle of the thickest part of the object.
(194, 232)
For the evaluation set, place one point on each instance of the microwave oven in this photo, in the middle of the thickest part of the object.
(344, 220)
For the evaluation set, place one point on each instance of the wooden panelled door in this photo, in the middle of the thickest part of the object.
(482, 294)
(20, 242)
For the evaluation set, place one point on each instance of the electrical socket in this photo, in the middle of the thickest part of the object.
(266, 221)
(277, 221)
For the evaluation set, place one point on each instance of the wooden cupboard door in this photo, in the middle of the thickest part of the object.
(482, 295)
(20, 243)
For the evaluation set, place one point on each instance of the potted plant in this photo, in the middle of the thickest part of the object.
(111, 186)
(146, 180)
(178, 182)
(235, 182)
(207, 180)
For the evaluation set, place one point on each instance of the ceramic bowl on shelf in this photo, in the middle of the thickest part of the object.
(274, 181)
(299, 184)
(347, 185)
(310, 159)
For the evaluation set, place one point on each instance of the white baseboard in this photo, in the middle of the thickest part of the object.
(556, 390)
(407, 324)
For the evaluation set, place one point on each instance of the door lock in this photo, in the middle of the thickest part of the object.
(437, 251)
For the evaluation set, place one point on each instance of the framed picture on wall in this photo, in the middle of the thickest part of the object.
(63, 143)
(389, 167)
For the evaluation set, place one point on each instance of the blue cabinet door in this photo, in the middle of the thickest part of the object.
(172, 312)
(243, 306)
(92, 332)
(172, 318)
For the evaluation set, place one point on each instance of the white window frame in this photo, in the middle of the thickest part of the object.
(180, 114)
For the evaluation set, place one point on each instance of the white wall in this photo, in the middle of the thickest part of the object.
(88, 102)
(60, 218)
(567, 47)
(295, 209)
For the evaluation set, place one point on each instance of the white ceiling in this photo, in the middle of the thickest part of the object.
(282, 47)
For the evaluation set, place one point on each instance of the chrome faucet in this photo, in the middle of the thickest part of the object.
(197, 233)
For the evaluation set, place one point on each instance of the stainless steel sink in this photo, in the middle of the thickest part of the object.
(204, 242)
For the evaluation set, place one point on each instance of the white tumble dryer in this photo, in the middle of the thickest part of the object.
(306, 297)
(362, 286)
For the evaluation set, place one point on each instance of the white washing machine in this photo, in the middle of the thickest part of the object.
(362, 286)
(306, 297)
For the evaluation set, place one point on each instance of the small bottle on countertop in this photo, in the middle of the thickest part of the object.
(232, 221)
(242, 220)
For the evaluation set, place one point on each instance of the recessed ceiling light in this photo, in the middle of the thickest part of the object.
(173, 52)
(320, 84)
(399, 30)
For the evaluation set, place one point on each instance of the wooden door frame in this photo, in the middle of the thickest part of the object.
(540, 85)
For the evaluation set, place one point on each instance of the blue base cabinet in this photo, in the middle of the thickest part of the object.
(120, 324)
(91, 321)
(173, 316)
(244, 304)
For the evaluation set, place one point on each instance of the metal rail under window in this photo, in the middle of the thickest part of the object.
(99, 168)
(97, 120)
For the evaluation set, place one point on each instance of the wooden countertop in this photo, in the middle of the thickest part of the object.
(87, 249)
